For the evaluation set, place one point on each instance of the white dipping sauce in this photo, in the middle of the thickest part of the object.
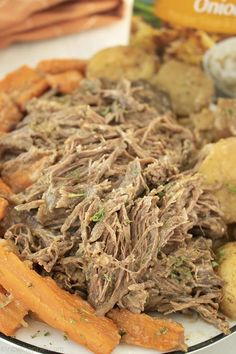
(220, 64)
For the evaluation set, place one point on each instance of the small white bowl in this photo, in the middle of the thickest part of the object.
(220, 63)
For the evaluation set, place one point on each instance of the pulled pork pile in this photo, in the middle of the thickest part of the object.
(116, 212)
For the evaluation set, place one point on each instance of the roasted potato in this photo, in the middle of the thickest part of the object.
(218, 170)
(190, 89)
(130, 62)
(212, 124)
(227, 271)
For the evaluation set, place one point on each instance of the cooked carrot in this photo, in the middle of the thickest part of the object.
(5, 191)
(145, 331)
(73, 299)
(23, 84)
(3, 208)
(12, 313)
(57, 66)
(9, 113)
(24, 171)
(65, 82)
(36, 90)
(51, 305)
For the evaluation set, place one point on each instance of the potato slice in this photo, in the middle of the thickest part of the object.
(128, 62)
(218, 169)
(227, 270)
(190, 89)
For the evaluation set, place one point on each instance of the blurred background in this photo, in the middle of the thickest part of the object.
(40, 29)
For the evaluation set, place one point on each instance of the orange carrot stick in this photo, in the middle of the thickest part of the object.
(49, 303)
(12, 313)
(145, 331)
(5, 191)
(58, 66)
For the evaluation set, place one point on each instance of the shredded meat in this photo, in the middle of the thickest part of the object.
(118, 213)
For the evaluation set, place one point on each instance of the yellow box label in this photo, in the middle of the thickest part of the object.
(218, 16)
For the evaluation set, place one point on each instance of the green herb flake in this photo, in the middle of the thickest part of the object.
(215, 264)
(72, 321)
(104, 111)
(128, 221)
(108, 277)
(65, 336)
(98, 216)
(46, 334)
(161, 194)
(73, 174)
(36, 334)
(179, 261)
(231, 112)
(164, 330)
(75, 195)
(220, 254)
(231, 188)
(174, 276)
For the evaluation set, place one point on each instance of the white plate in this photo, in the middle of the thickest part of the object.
(32, 339)
(199, 334)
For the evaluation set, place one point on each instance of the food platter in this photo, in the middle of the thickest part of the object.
(86, 209)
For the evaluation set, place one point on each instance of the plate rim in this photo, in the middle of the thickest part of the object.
(36, 349)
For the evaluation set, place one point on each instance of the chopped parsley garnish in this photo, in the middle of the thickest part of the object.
(220, 254)
(73, 174)
(128, 221)
(179, 261)
(163, 330)
(214, 264)
(231, 188)
(76, 195)
(161, 194)
(231, 112)
(108, 277)
(46, 334)
(72, 321)
(36, 334)
(65, 336)
(174, 276)
(98, 216)
(104, 111)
